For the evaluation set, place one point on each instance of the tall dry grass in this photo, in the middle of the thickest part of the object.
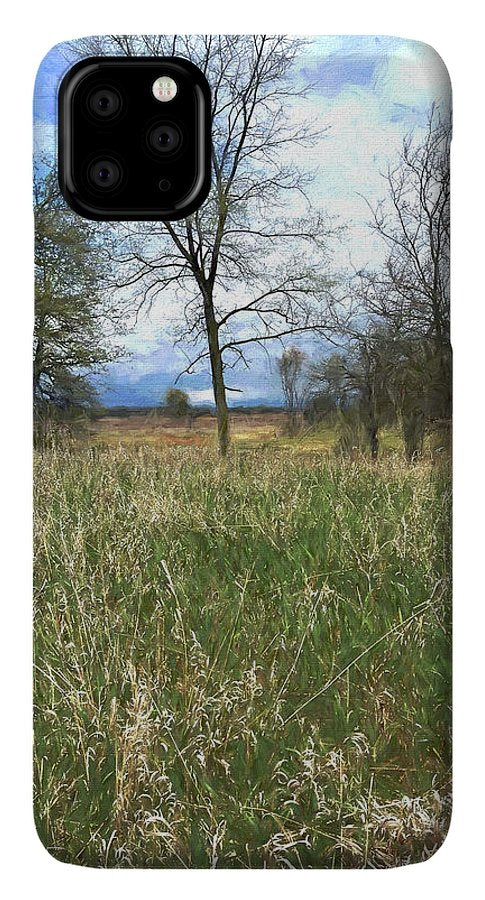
(241, 663)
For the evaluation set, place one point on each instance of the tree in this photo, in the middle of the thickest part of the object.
(410, 294)
(176, 402)
(355, 381)
(72, 334)
(329, 388)
(245, 271)
(291, 366)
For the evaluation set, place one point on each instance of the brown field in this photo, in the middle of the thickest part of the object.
(249, 430)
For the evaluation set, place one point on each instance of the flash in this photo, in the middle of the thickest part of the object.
(164, 88)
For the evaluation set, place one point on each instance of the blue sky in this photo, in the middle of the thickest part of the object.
(371, 91)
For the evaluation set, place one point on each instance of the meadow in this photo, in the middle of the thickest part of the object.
(241, 662)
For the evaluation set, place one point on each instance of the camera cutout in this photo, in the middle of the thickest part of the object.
(120, 157)
(105, 174)
(165, 138)
(104, 103)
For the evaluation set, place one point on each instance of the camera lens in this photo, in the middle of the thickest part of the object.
(104, 103)
(165, 138)
(104, 174)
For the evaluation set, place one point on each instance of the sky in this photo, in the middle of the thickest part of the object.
(371, 92)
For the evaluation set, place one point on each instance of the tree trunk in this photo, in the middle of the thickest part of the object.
(39, 409)
(37, 367)
(442, 425)
(413, 434)
(218, 385)
(371, 423)
(292, 423)
(372, 431)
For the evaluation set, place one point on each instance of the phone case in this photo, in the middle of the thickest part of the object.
(242, 476)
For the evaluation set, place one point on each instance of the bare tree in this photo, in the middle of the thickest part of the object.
(249, 266)
(356, 381)
(410, 294)
(291, 366)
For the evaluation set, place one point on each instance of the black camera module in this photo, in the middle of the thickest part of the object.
(104, 103)
(123, 154)
(165, 138)
(104, 174)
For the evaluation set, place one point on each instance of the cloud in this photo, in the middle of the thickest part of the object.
(371, 91)
(199, 397)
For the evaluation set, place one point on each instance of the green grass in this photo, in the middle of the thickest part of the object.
(187, 611)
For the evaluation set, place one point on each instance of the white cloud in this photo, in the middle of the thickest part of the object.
(367, 124)
(201, 396)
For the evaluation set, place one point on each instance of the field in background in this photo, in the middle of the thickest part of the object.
(249, 429)
(240, 662)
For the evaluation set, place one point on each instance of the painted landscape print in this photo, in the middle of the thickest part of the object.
(242, 476)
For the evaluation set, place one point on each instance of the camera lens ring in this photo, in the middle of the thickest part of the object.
(104, 102)
(164, 138)
(104, 174)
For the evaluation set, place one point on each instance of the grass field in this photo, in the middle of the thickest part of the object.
(248, 430)
(240, 663)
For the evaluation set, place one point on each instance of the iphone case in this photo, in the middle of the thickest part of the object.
(242, 477)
